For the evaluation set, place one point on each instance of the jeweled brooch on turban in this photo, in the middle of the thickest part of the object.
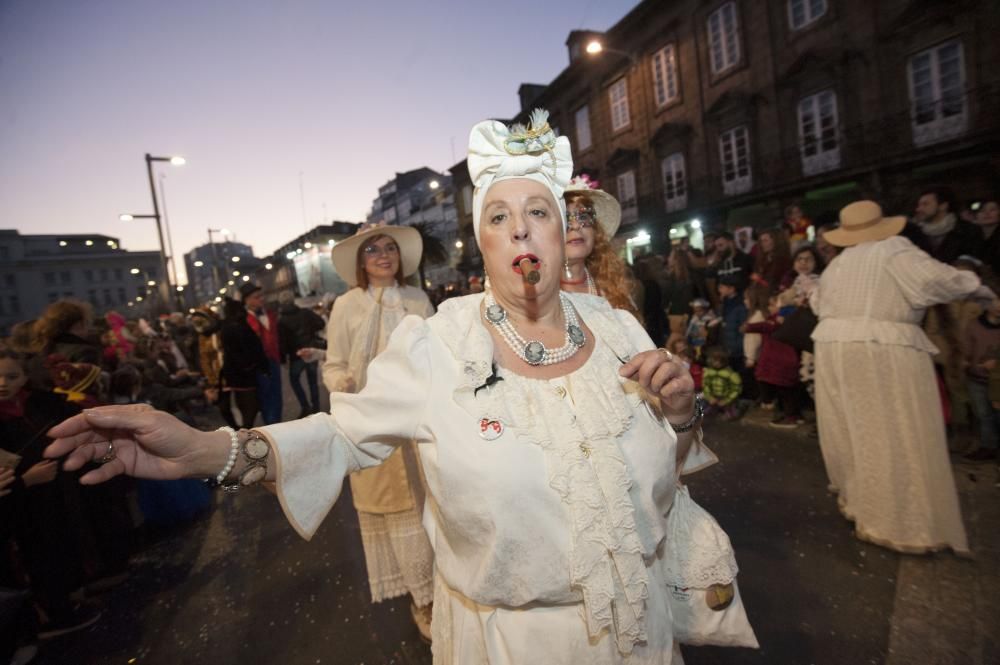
(536, 137)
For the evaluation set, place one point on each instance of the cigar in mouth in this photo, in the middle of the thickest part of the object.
(529, 271)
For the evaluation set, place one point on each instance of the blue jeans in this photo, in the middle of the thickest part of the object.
(988, 417)
(295, 368)
(269, 393)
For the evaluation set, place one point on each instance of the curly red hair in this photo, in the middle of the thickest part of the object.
(613, 279)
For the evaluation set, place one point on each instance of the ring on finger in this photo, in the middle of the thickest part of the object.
(669, 356)
(110, 455)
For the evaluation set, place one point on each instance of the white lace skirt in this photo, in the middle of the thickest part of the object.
(883, 441)
(398, 555)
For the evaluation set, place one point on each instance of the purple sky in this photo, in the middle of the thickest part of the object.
(252, 94)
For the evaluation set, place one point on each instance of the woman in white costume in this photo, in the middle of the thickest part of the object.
(550, 464)
(881, 429)
(388, 497)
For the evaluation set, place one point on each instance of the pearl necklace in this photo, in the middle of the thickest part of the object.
(534, 352)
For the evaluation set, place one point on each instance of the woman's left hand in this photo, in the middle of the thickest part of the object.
(662, 374)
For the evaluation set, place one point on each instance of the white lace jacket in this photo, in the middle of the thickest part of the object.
(568, 503)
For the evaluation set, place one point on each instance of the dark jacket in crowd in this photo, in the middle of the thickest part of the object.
(243, 355)
(298, 328)
(738, 267)
(734, 315)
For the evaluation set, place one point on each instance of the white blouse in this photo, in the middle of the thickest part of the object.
(539, 491)
(879, 291)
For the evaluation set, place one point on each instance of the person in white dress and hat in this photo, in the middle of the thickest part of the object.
(550, 430)
(881, 428)
(592, 265)
(388, 497)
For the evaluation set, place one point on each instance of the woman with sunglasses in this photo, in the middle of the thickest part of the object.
(592, 266)
(389, 497)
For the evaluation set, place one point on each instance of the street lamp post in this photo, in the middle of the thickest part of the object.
(166, 288)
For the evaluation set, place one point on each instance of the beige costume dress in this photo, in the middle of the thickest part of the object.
(546, 499)
(389, 497)
(880, 422)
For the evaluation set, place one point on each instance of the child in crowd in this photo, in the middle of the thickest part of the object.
(982, 349)
(777, 369)
(697, 331)
(756, 299)
(802, 279)
(44, 499)
(683, 350)
(734, 315)
(721, 384)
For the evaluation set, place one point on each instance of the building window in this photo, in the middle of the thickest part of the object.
(4, 252)
(665, 76)
(53, 297)
(627, 198)
(88, 275)
(103, 273)
(819, 135)
(107, 297)
(65, 277)
(92, 297)
(118, 274)
(618, 94)
(803, 12)
(734, 150)
(121, 295)
(10, 281)
(674, 182)
(389, 215)
(50, 278)
(15, 305)
(582, 119)
(937, 93)
(724, 38)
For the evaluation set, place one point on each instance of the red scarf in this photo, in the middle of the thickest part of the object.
(269, 335)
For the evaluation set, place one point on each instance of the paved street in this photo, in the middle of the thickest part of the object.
(240, 587)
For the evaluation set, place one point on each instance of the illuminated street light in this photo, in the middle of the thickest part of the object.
(177, 160)
(695, 223)
(150, 283)
(308, 245)
(198, 264)
(218, 298)
(594, 47)
(235, 259)
(230, 282)
(434, 184)
(236, 273)
(290, 255)
(222, 290)
(111, 244)
(89, 243)
(246, 278)
(126, 217)
(331, 242)
(138, 298)
(267, 266)
(459, 244)
(179, 288)
(62, 243)
(135, 271)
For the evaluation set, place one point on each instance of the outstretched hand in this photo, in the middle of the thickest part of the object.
(146, 444)
(662, 374)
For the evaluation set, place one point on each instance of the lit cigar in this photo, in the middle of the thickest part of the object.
(529, 271)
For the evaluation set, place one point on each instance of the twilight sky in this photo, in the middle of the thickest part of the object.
(252, 94)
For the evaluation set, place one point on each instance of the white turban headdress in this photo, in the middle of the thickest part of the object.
(534, 152)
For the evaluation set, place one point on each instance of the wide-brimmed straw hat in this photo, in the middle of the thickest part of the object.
(862, 221)
(345, 252)
(606, 207)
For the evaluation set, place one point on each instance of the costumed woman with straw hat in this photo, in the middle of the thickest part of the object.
(592, 265)
(880, 423)
(550, 430)
(388, 497)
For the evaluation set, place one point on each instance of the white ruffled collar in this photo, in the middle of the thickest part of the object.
(584, 460)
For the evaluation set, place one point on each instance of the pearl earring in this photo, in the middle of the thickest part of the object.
(569, 275)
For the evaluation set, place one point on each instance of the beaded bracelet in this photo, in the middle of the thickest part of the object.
(234, 450)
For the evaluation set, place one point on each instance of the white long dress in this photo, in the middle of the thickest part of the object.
(881, 428)
(546, 499)
(389, 497)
